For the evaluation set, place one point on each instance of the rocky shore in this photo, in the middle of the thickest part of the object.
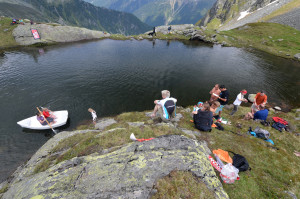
(100, 161)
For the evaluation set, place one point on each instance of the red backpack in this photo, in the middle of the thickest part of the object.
(280, 120)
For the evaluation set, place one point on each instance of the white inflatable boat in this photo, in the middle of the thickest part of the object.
(33, 123)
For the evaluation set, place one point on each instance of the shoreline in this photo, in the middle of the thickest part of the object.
(137, 121)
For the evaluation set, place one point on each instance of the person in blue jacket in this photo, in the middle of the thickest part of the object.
(262, 114)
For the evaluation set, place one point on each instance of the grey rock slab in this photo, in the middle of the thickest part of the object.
(251, 97)
(54, 34)
(177, 117)
(130, 172)
(102, 124)
(193, 134)
(136, 124)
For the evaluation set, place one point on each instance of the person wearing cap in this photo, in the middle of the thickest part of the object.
(259, 99)
(239, 99)
(197, 107)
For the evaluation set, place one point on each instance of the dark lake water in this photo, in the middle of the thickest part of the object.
(120, 76)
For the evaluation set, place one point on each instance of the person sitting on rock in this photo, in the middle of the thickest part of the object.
(215, 92)
(165, 108)
(203, 119)
(214, 109)
(261, 114)
(260, 98)
(239, 99)
(42, 119)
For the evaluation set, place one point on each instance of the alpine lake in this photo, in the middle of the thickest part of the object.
(122, 76)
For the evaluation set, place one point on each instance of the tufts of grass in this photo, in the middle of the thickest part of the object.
(181, 184)
(6, 38)
(118, 37)
(45, 164)
(132, 117)
(273, 38)
(4, 189)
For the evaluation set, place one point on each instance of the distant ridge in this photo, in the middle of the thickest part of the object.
(74, 13)
(160, 12)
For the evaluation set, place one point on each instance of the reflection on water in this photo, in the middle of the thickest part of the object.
(120, 76)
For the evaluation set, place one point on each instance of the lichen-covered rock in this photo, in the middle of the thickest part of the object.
(129, 172)
(54, 34)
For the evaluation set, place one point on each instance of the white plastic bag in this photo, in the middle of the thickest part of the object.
(229, 173)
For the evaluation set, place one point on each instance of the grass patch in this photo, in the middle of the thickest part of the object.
(273, 171)
(45, 164)
(284, 9)
(273, 38)
(181, 184)
(118, 37)
(132, 117)
(4, 189)
(6, 38)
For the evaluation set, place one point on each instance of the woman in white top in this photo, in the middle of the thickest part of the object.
(239, 99)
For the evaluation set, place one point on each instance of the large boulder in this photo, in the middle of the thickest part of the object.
(129, 172)
(54, 34)
(251, 97)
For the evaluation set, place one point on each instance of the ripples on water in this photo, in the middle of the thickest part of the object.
(118, 76)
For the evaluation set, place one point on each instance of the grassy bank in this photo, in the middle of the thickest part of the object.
(276, 39)
(6, 38)
(275, 169)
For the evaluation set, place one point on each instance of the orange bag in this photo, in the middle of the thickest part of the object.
(223, 155)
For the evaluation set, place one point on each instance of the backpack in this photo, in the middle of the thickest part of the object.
(240, 162)
(279, 123)
(170, 107)
(261, 133)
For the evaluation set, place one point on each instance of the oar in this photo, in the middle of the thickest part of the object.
(47, 121)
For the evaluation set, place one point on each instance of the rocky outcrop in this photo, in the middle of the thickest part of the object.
(129, 172)
(54, 34)
(229, 14)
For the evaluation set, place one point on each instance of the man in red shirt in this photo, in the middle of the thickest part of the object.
(260, 99)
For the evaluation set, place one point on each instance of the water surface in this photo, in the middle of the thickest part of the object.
(120, 76)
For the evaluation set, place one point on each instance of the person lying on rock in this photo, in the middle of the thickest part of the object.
(165, 108)
(203, 119)
(239, 99)
(260, 98)
(42, 119)
(261, 114)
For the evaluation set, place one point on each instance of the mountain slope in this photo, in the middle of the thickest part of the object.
(160, 12)
(229, 14)
(76, 13)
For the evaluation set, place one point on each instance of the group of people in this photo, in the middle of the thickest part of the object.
(19, 21)
(46, 115)
(203, 113)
